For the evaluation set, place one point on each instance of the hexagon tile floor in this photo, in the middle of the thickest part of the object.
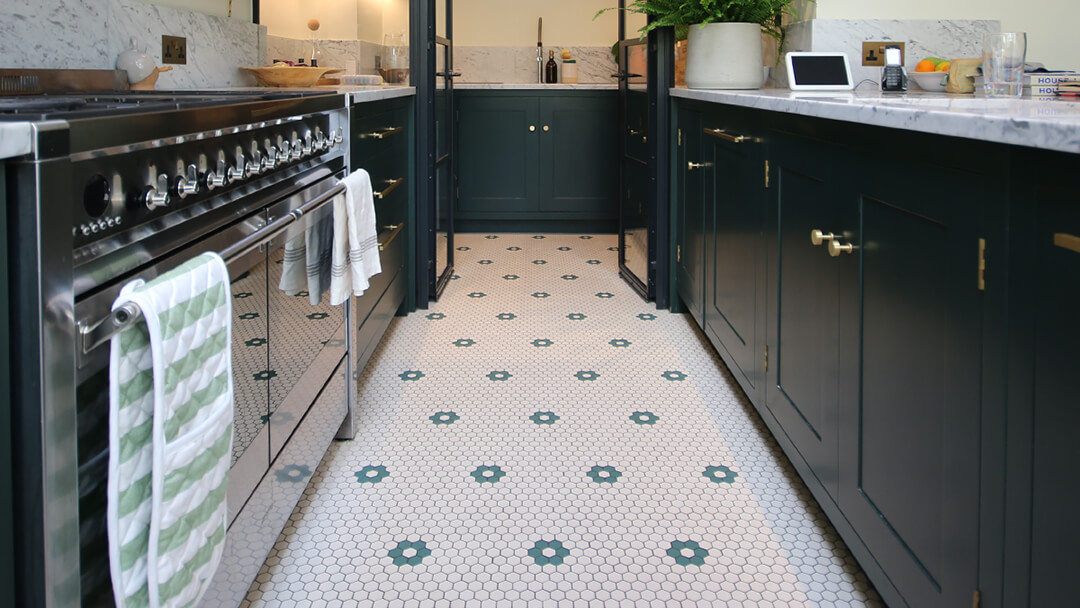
(543, 437)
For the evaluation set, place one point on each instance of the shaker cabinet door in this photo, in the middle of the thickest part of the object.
(911, 361)
(498, 156)
(577, 156)
(803, 318)
(691, 176)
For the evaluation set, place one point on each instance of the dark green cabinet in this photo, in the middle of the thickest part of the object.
(690, 177)
(532, 158)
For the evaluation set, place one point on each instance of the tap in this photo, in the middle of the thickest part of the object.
(540, 51)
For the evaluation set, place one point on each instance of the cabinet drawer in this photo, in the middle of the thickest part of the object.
(378, 130)
(392, 242)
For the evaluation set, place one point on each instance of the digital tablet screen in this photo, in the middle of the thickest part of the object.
(810, 70)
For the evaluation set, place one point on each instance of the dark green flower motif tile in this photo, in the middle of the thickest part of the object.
(444, 418)
(499, 376)
(243, 295)
(539, 237)
(371, 474)
(644, 418)
(548, 552)
(647, 316)
(605, 295)
(540, 295)
(586, 376)
(506, 316)
(301, 294)
(542, 343)
(488, 474)
(565, 249)
(688, 553)
(513, 248)
(620, 343)
(255, 342)
(569, 277)
(491, 237)
(544, 418)
(539, 262)
(293, 473)
(577, 316)
(435, 316)
(477, 294)
(594, 262)
(585, 237)
(720, 474)
(674, 376)
(601, 474)
(265, 419)
(511, 277)
(455, 277)
(318, 316)
(408, 553)
(612, 248)
(485, 262)
(266, 374)
(464, 343)
(249, 316)
(411, 375)
(464, 248)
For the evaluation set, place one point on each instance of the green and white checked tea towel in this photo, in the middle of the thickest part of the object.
(170, 427)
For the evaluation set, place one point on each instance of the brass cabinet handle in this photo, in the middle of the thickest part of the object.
(546, 128)
(532, 128)
(383, 134)
(835, 248)
(724, 135)
(395, 231)
(818, 237)
(692, 166)
(392, 185)
(1067, 241)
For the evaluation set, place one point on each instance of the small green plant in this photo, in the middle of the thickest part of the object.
(681, 14)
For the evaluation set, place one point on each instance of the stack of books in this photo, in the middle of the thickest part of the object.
(1069, 89)
(1038, 84)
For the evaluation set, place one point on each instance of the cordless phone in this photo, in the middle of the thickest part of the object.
(894, 78)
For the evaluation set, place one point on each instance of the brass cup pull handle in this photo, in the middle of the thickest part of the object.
(532, 128)
(692, 166)
(835, 248)
(818, 237)
(724, 135)
(392, 184)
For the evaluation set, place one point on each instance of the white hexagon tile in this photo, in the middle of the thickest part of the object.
(541, 436)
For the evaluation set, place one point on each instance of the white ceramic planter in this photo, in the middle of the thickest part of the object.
(724, 56)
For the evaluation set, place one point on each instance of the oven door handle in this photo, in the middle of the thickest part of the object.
(93, 336)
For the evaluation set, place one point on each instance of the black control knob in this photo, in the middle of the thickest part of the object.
(97, 195)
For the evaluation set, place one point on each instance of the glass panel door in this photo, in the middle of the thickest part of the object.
(445, 178)
(636, 223)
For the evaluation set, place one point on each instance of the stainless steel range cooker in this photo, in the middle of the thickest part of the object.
(120, 186)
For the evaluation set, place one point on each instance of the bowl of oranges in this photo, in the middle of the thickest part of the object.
(931, 74)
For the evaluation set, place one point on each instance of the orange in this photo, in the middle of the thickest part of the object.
(925, 66)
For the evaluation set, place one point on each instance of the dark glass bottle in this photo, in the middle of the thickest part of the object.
(551, 70)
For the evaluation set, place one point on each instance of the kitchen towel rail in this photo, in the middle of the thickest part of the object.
(93, 336)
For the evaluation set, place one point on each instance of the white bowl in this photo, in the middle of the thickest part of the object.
(930, 81)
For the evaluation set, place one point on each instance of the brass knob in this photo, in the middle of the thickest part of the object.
(546, 128)
(818, 237)
(692, 166)
(835, 248)
(532, 128)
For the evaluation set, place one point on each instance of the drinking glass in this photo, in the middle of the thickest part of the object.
(1003, 64)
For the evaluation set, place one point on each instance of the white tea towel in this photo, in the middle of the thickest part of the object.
(170, 436)
(306, 265)
(356, 242)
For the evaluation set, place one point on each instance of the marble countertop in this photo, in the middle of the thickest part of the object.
(1050, 124)
(16, 139)
(511, 86)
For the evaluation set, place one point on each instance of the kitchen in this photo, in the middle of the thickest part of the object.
(534, 429)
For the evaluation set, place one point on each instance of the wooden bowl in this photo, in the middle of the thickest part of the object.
(290, 76)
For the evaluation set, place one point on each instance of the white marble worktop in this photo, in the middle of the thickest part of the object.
(16, 138)
(1050, 123)
(363, 94)
(511, 86)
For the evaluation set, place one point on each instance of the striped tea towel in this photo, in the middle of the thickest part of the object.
(356, 242)
(170, 436)
(306, 266)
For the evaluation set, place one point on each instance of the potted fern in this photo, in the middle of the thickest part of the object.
(724, 37)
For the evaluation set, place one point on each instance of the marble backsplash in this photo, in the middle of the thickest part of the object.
(517, 64)
(923, 38)
(76, 34)
(334, 52)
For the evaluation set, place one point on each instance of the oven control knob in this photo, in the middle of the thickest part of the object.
(217, 179)
(157, 197)
(283, 155)
(240, 171)
(297, 149)
(255, 165)
(337, 137)
(186, 185)
(308, 148)
(270, 160)
(320, 141)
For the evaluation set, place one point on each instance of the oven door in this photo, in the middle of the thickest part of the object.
(266, 406)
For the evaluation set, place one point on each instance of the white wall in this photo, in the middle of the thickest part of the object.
(241, 9)
(513, 22)
(1051, 25)
(338, 19)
